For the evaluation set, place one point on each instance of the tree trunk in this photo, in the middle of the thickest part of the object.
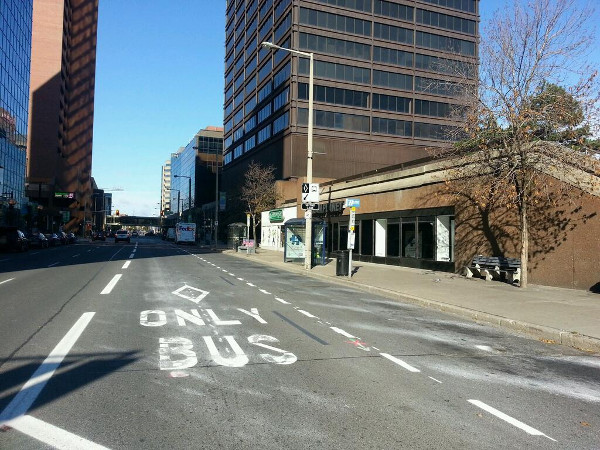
(524, 243)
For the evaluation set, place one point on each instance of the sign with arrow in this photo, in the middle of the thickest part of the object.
(310, 192)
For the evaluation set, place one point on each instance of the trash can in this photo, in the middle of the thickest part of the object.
(341, 265)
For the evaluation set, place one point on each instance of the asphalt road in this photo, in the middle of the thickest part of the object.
(150, 345)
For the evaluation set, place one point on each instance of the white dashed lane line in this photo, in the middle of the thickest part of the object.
(131, 256)
(6, 281)
(126, 265)
(75, 256)
(509, 419)
(53, 264)
(306, 313)
(265, 292)
(342, 332)
(400, 362)
(280, 300)
(112, 283)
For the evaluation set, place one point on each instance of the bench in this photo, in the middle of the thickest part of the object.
(498, 267)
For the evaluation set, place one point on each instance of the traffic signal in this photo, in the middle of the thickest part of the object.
(117, 212)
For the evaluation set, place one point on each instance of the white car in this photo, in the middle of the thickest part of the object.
(122, 235)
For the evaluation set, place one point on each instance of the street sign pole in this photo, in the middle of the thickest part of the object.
(351, 239)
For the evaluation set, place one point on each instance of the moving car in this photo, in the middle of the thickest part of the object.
(122, 235)
(98, 236)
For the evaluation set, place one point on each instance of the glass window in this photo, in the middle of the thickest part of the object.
(336, 71)
(392, 80)
(409, 240)
(358, 5)
(281, 123)
(461, 5)
(445, 43)
(426, 239)
(338, 47)
(343, 24)
(393, 239)
(394, 10)
(366, 237)
(394, 34)
(391, 56)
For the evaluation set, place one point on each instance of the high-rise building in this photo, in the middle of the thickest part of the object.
(15, 57)
(193, 169)
(59, 144)
(384, 82)
(165, 186)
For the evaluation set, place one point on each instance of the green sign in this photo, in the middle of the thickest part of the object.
(64, 195)
(276, 215)
(66, 216)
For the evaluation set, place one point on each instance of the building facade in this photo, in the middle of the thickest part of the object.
(385, 82)
(59, 144)
(165, 186)
(193, 170)
(15, 59)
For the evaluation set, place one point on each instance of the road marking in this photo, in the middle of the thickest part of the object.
(6, 281)
(250, 284)
(437, 381)
(241, 279)
(30, 390)
(112, 283)
(35, 253)
(131, 256)
(307, 314)
(134, 250)
(509, 419)
(342, 332)
(126, 265)
(53, 264)
(180, 293)
(52, 435)
(280, 300)
(231, 274)
(264, 292)
(485, 348)
(75, 256)
(4, 260)
(400, 362)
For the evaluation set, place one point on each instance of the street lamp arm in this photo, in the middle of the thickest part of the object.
(277, 47)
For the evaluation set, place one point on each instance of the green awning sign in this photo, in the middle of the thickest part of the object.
(276, 215)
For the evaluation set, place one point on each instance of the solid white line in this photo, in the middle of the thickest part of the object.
(509, 419)
(6, 281)
(52, 435)
(53, 264)
(126, 265)
(109, 287)
(30, 390)
(280, 300)
(306, 313)
(264, 292)
(437, 381)
(340, 331)
(400, 362)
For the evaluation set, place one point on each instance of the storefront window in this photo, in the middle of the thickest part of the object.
(426, 241)
(366, 237)
(409, 240)
(393, 239)
(343, 237)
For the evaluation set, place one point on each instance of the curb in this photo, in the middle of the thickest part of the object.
(548, 334)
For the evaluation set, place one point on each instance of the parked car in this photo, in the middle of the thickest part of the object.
(71, 238)
(38, 240)
(63, 237)
(53, 239)
(122, 235)
(99, 236)
(12, 239)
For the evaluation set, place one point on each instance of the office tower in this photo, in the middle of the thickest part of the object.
(383, 73)
(193, 169)
(59, 145)
(15, 57)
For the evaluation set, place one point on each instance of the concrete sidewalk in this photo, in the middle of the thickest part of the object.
(563, 316)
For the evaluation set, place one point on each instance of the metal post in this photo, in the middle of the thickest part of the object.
(179, 204)
(216, 199)
(309, 158)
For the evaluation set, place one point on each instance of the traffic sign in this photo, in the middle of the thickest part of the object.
(308, 214)
(352, 202)
(310, 192)
(352, 218)
(314, 206)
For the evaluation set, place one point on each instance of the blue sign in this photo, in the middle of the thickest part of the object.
(352, 202)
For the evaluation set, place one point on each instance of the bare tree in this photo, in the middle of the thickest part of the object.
(527, 52)
(259, 192)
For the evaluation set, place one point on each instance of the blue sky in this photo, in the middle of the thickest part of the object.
(159, 79)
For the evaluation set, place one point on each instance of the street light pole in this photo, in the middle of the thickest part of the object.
(216, 199)
(309, 156)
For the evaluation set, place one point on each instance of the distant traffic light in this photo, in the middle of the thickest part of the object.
(117, 212)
